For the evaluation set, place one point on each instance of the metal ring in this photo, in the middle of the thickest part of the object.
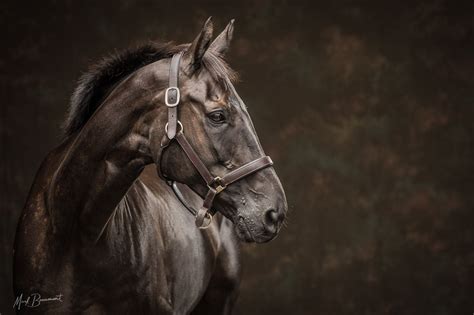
(209, 216)
(180, 125)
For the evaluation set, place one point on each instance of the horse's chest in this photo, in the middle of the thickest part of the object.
(150, 267)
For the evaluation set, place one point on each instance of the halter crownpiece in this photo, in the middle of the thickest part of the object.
(173, 96)
(215, 184)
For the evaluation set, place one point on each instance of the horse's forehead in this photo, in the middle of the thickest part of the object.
(235, 97)
(209, 82)
(205, 85)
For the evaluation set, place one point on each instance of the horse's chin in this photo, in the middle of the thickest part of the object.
(248, 235)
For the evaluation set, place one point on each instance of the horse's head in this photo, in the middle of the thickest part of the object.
(217, 125)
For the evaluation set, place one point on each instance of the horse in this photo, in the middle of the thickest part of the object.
(102, 230)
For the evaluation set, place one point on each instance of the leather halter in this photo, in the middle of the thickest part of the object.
(215, 184)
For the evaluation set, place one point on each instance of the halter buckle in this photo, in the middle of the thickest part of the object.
(220, 186)
(170, 100)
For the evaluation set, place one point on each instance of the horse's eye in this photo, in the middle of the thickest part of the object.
(217, 117)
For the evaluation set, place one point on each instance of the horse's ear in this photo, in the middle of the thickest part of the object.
(222, 42)
(198, 48)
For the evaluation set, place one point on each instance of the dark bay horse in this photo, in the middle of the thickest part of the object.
(101, 232)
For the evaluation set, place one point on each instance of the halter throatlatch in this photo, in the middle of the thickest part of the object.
(215, 184)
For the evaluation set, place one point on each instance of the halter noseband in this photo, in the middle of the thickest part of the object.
(215, 184)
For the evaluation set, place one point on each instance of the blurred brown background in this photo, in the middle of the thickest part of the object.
(366, 108)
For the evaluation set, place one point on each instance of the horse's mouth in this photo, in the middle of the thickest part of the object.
(243, 231)
(246, 234)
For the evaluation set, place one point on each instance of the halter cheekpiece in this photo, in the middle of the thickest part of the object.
(215, 184)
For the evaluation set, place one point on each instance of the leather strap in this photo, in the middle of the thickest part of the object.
(172, 96)
(246, 169)
(194, 158)
(206, 208)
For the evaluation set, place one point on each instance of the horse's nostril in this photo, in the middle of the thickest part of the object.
(271, 219)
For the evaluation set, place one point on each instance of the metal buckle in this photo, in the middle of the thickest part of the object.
(178, 97)
(220, 187)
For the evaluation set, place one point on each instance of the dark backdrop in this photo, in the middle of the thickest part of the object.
(366, 108)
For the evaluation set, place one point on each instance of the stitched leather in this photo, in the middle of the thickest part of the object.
(173, 96)
(246, 170)
(194, 158)
(206, 206)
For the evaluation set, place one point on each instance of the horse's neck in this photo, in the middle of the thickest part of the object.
(98, 168)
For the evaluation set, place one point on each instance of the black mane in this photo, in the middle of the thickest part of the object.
(94, 85)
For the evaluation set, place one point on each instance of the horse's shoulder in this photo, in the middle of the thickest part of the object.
(48, 167)
(36, 201)
(33, 235)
